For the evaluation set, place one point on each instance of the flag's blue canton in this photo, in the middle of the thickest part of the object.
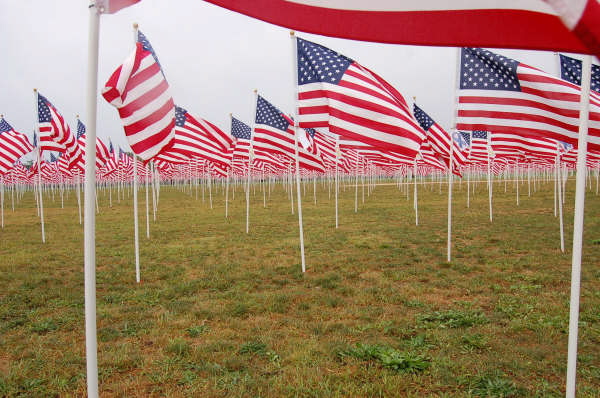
(52, 157)
(148, 47)
(483, 70)
(4, 126)
(180, 117)
(320, 64)
(311, 132)
(34, 139)
(80, 129)
(424, 120)
(566, 147)
(480, 134)
(121, 152)
(240, 129)
(267, 114)
(461, 139)
(110, 147)
(570, 70)
(44, 115)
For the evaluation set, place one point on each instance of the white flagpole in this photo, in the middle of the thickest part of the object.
(560, 208)
(295, 128)
(2, 200)
(89, 226)
(578, 225)
(249, 168)
(415, 203)
(337, 157)
(39, 161)
(147, 207)
(135, 196)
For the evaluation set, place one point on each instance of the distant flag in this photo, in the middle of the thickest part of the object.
(490, 23)
(243, 134)
(479, 147)
(13, 146)
(80, 129)
(499, 94)
(336, 92)
(52, 157)
(55, 134)
(240, 130)
(112, 6)
(34, 139)
(141, 94)
(570, 70)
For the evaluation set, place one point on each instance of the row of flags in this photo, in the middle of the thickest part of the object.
(347, 116)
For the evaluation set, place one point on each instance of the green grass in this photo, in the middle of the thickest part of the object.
(379, 311)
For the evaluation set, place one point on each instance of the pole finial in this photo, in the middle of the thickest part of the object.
(135, 25)
(292, 33)
(35, 90)
(255, 91)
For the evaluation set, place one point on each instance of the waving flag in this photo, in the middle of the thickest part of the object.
(243, 135)
(439, 139)
(352, 101)
(193, 141)
(570, 70)
(13, 145)
(527, 24)
(273, 133)
(140, 92)
(480, 151)
(55, 134)
(499, 94)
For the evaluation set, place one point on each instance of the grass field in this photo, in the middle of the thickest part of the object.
(379, 311)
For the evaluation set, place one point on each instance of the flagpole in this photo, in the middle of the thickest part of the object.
(337, 157)
(295, 128)
(39, 162)
(584, 106)
(135, 197)
(249, 168)
(89, 225)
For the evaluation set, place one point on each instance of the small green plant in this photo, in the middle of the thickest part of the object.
(453, 319)
(494, 386)
(179, 347)
(195, 331)
(388, 357)
(253, 347)
(474, 342)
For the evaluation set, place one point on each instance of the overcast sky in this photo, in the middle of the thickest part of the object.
(213, 59)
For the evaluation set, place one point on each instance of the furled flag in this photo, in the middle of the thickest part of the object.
(112, 6)
(336, 92)
(273, 133)
(439, 139)
(499, 94)
(531, 24)
(140, 92)
(570, 70)
(13, 145)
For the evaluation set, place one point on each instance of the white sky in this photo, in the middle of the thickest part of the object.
(213, 59)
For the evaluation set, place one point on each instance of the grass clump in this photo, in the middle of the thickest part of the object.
(495, 386)
(453, 319)
(387, 357)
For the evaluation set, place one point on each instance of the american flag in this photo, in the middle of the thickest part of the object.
(490, 23)
(570, 70)
(13, 145)
(112, 6)
(192, 140)
(102, 153)
(55, 134)
(499, 94)
(336, 92)
(243, 135)
(439, 139)
(273, 133)
(507, 145)
(140, 92)
(479, 151)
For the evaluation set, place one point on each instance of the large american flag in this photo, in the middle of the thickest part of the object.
(273, 133)
(338, 93)
(140, 92)
(13, 145)
(527, 24)
(499, 94)
(507, 145)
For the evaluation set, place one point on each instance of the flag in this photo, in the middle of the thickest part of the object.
(192, 140)
(439, 139)
(13, 146)
(517, 145)
(243, 135)
(582, 17)
(499, 94)
(489, 23)
(112, 6)
(479, 151)
(570, 70)
(55, 134)
(273, 133)
(338, 93)
(140, 92)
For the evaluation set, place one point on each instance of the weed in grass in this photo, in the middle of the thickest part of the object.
(195, 331)
(495, 386)
(253, 347)
(473, 342)
(387, 357)
(452, 319)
